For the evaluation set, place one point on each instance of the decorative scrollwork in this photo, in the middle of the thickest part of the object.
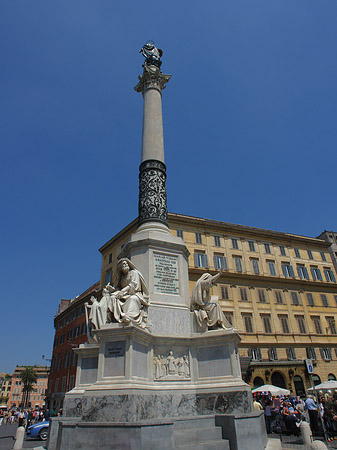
(152, 192)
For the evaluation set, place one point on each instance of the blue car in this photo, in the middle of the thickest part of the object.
(39, 430)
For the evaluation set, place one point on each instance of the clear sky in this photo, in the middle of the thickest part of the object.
(249, 125)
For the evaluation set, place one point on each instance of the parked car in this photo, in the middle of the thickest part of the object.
(39, 430)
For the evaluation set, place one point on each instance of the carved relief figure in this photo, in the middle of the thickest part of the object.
(208, 314)
(171, 367)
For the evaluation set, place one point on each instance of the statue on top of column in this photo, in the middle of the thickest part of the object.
(152, 54)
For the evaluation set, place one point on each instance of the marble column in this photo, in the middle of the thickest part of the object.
(152, 208)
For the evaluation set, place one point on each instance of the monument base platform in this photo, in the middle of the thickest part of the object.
(211, 432)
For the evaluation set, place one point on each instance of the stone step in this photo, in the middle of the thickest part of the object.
(209, 445)
(197, 435)
(191, 424)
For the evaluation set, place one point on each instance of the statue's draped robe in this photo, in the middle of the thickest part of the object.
(130, 307)
(99, 311)
(207, 314)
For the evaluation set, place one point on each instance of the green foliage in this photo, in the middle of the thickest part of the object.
(29, 378)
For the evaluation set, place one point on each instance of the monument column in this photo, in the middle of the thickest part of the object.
(152, 208)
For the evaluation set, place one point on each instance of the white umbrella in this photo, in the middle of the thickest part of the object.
(326, 386)
(274, 390)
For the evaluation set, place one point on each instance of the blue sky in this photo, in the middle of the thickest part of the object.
(249, 124)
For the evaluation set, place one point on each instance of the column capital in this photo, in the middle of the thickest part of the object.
(152, 78)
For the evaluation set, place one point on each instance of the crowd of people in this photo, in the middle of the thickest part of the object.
(285, 414)
(26, 417)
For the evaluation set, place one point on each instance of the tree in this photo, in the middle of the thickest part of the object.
(29, 378)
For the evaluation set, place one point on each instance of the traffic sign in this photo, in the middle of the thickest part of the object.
(310, 367)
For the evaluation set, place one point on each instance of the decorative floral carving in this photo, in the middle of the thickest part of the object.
(152, 192)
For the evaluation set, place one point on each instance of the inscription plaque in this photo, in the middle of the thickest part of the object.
(165, 278)
(114, 359)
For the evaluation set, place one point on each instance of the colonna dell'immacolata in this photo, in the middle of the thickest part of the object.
(161, 367)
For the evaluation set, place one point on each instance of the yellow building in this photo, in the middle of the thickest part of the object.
(5, 387)
(278, 290)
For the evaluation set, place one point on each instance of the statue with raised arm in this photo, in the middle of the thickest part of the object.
(152, 54)
(208, 314)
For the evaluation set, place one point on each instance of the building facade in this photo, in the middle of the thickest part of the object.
(70, 331)
(37, 396)
(277, 289)
(331, 237)
(5, 387)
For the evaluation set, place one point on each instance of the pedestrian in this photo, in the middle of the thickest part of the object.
(312, 409)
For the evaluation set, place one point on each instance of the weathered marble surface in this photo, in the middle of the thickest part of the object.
(130, 408)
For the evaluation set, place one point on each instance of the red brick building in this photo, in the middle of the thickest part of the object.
(70, 332)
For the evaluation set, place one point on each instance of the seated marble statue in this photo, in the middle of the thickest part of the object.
(208, 314)
(130, 300)
(98, 310)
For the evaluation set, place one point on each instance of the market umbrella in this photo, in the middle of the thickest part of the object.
(274, 390)
(326, 386)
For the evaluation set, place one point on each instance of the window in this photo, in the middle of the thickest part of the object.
(255, 354)
(83, 328)
(251, 246)
(224, 292)
(70, 332)
(272, 269)
(272, 354)
(198, 238)
(71, 316)
(62, 339)
(71, 382)
(217, 241)
(243, 294)
(238, 263)
(310, 255)
(279, 298)
(323, 256)
(291, 355)
(77, 331)
(284, 323)
(302, 272)
(235, 244)
(301, 324)
(288, 270)
(267, 248)
(59, 360)
(200, 259)
(110, 258)
(326, 354)
(78, 311)
(220, 262)
(56, 385)
(294, 297)
(247, 318)
(63, 384)
(55, 342)
(255, 266)
(180, 233)
(332, 325)
(108, 277)
(282, 250)
(317, 324)
(229, 317)
(297, 252)
(65, 359)
(329, 275)
(266, 323)
(316, 273)
(335, 297)
(310, 299)
(324, 300)
(262, 296)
